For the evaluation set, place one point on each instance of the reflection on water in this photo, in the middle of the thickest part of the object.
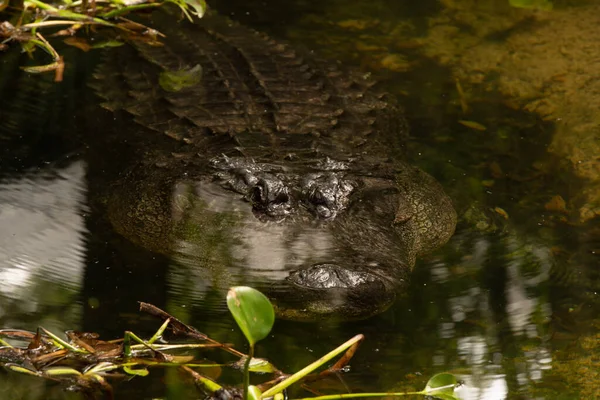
(42, 247)
(520, 321)
(233, 247)
(497, 306)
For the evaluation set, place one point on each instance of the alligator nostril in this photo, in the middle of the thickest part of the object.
(318, 197)
(270, 196)
(326, 194)
(259, 194)
(268, 191)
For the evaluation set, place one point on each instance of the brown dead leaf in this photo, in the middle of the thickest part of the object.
(496, 170)
(80, 43)
(501, 211)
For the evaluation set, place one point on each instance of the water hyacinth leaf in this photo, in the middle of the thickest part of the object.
(137, 371)
(441, 386)
(254, 393)
(252, 311)
(174, 81)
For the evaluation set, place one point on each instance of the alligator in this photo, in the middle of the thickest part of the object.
(265, 143)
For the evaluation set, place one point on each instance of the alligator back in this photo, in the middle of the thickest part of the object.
(316, 152)
(255, 93)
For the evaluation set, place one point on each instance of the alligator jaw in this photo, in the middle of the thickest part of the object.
(332, 291)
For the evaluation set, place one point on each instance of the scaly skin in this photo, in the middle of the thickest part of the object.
(281, 146)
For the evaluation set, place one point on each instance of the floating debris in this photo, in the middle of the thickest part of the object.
(472, 124)
(557, 204)
(462, 98)
(501, 212)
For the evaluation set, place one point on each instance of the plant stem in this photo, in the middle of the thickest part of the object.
(247, 370)
(310, 368)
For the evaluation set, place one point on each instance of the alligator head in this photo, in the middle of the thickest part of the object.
(320, 241)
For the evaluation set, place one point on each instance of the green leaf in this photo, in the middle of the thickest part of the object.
(252, 311)
(261, 365)
(23, 370)
(441, 386)
(199, 7)
(136, 371)
(174, 81)
(254, 393)
(108, 43)
(61, 371)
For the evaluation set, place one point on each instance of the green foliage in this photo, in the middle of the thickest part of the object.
(254, 314)
(84, 362)
(31, 17)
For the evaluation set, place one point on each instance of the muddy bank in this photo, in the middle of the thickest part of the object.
(546, 62)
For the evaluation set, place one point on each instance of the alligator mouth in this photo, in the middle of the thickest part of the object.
(332, 291)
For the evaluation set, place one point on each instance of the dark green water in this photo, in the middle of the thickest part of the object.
(508, 304)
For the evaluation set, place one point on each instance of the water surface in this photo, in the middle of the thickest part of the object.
(508, 305)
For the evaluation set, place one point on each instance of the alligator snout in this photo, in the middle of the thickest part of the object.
(331, 290)
(326, 276)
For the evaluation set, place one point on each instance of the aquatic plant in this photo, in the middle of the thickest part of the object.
(24, 22)
(88, 364)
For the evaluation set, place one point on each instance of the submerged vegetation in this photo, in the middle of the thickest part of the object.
(88, 364)
(34, 24)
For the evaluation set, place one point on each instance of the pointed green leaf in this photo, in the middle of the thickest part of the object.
(61, 371)
(252, 311)
(23, 370)
(136, 371)
(108, 43)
